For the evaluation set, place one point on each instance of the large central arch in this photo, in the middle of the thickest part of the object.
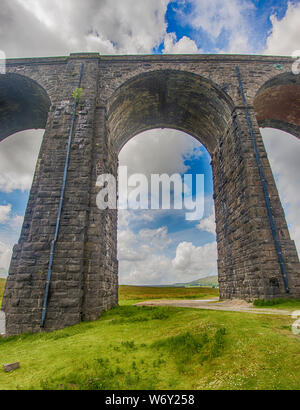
(169, 99)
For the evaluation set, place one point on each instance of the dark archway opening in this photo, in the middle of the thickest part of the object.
(277, 104)
(24, 104)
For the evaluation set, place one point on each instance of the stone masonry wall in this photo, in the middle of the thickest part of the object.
(85, 271)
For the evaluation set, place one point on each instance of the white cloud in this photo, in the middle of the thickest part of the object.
(285, 35)
(214, 16)
(9, 234)
(284, 152)
(218, 17)
(126, 216)
(18, 156)
(158, 151)
(140, 257)
(191, 260)
(55, 27)
(155, 238)
(208, 224)
(184, 46)
(5, 256)
(137, 247)
(142, 261)
(4, 213)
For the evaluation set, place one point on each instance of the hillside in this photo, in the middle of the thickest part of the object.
(210, 281)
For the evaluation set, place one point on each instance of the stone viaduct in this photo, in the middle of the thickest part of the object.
(205, 96)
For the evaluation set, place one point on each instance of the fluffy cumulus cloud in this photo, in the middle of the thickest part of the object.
(143, 261)
(218, 18)
(18, 156)
(165, 153)
(184, 46)
(208, 224)
(195, 261)
(4, 213)
(284, 38)
(5, 256)
(10, 226)
(55, 27)
(284, 152)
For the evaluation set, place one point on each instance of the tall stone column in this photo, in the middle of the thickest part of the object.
(248, 262)
(100, 257)
(24, 293)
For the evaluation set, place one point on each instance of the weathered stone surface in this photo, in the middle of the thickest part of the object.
(11, 367)
(122, 96)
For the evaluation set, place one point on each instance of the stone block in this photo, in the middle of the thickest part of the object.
(11, 367)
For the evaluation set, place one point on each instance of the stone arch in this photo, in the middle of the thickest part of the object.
(277, 103)
(179, 100)
(24, 104)
(169, 99)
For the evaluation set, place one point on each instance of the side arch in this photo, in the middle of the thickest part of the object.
(277, 103)
(24, 104)
(169, 99)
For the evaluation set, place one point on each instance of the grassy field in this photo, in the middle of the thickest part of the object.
(285, 304)
(131, 294)
(158, 348)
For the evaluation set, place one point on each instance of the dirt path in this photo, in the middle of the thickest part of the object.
(214, 304)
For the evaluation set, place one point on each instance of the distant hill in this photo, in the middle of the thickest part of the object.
(210, 281)
(3, 273)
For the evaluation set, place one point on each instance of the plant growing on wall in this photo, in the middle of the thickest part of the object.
(77, 94)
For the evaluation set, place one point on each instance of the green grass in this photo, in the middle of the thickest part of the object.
(135, 294)
(133, 347)
(286, 304)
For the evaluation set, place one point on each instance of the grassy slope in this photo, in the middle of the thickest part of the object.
(158, 348)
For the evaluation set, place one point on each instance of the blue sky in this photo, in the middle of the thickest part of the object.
(154, 246)
(257, 19)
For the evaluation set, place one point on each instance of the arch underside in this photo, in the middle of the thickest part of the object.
(24, 104)
(277, 104)
(169, 99)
